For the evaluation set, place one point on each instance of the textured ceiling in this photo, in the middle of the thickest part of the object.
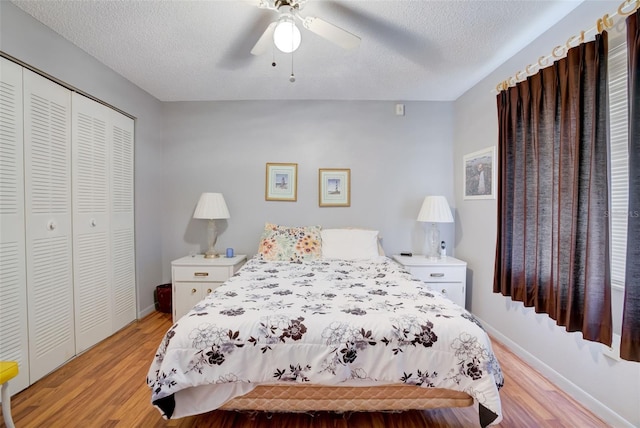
(200, 50)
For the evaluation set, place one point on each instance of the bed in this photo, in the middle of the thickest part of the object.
(319, 321)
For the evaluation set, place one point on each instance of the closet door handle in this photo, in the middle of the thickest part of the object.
(51, 225)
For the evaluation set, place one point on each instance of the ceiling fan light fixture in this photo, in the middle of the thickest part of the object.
(286, 35)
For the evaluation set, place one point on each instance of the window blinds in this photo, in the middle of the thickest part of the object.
(619, 159)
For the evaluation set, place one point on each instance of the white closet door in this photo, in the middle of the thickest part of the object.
(90, 190)
(47, 151)
(14, 340)
(122, 221)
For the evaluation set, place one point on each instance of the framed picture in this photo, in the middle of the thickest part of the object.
(281, 182)
(334, 188)
(480, 174)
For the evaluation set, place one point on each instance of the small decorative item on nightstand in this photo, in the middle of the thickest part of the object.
(446, 275)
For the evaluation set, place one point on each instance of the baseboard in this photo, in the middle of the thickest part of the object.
(146, 311)
(580, 395)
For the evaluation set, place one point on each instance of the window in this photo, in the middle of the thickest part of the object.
(619, 162)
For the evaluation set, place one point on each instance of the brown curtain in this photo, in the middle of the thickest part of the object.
(552, 248)
(630, 341)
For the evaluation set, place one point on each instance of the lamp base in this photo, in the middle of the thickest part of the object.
(433, 242)
(212, 237)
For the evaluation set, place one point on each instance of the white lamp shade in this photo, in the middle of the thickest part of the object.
(211, 206)
(286, 35)
(435, 209)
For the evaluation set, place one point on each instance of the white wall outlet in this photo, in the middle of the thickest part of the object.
(399, 109)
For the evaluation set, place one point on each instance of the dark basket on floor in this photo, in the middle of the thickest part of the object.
(162, 298)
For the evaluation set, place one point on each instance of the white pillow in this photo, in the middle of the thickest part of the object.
(349, 244)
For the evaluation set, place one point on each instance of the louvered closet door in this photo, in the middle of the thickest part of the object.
(122, 222)
(14, 345)
(90, 190)
(47, 151)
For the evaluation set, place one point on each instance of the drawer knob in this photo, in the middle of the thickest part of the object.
(201, 274)
(193, 290)
(444, 291)
(437, 275)
(208, 290)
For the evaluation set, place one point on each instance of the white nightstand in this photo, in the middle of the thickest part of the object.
(194, 277)
(447, 275)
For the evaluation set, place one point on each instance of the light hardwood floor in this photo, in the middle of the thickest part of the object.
(105, 387)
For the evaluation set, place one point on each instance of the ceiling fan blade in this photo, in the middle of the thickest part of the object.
(264, 41)
(334, 34)
(394, 36)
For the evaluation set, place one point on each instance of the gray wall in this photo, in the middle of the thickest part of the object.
(395, 162)
(29, 41)
(609, 388)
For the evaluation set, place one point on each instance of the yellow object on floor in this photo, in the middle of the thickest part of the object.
(8, 370)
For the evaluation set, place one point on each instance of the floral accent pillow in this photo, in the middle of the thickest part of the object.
(295, 244)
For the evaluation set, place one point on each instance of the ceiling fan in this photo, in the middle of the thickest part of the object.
(285, 34)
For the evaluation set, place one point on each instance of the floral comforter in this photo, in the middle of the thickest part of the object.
(327, 322)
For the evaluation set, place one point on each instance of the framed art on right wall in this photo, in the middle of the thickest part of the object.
(479, 171)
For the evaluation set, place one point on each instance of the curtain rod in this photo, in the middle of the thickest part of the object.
(560, 51)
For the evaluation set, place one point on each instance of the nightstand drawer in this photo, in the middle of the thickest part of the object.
(201, 273)
(438, 273)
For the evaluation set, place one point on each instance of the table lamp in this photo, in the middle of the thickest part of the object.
(434, 210)
(211, 206)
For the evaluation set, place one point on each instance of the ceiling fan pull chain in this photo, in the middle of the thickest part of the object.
(292, 78)
(273, 55)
